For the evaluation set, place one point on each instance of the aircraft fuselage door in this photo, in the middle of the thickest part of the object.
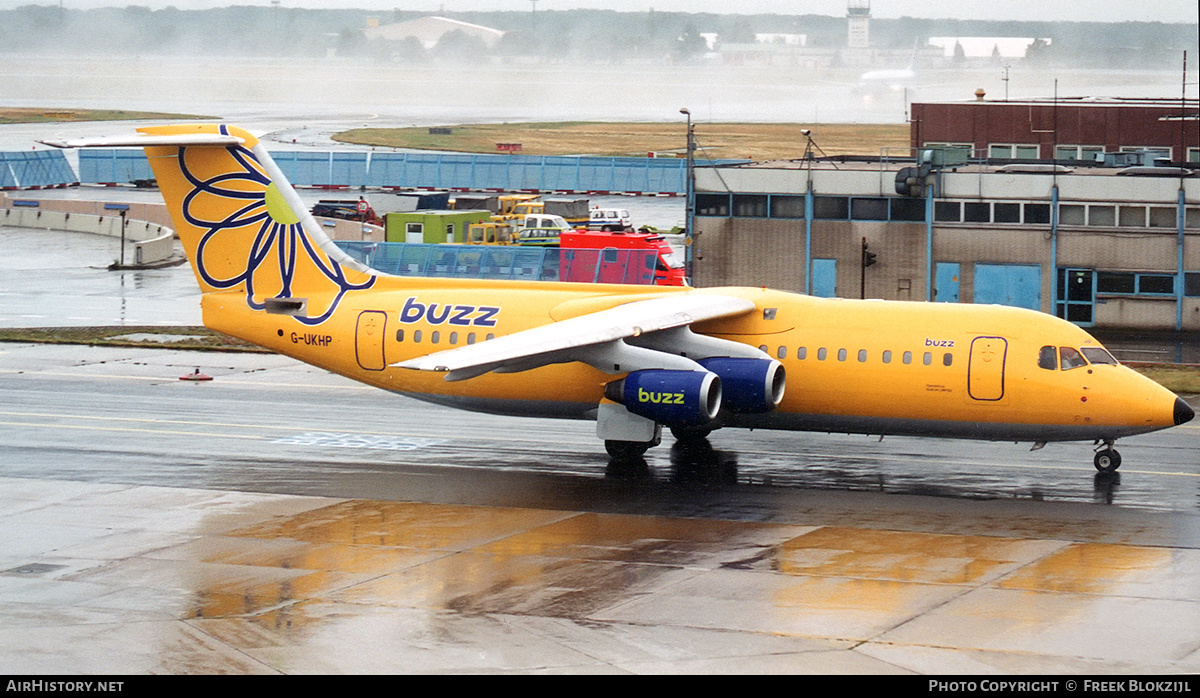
(368, 340)
(985, 368)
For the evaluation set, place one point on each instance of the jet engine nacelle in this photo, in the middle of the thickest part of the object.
(674, 398)
(748, 385)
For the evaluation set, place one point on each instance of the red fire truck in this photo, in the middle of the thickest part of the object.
(618, 257)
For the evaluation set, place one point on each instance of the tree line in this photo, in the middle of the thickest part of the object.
(563, 35)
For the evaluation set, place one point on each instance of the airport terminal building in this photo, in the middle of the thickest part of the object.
(1108, 241)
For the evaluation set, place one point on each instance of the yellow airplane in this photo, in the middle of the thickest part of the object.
(631, 358)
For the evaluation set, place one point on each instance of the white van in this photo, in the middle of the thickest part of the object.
(609, 219)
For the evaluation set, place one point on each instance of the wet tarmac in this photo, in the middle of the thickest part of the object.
(283, 520)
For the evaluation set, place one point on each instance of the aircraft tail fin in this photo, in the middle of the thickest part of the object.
(242, 225)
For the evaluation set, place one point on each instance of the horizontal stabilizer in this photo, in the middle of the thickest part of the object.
(143, 141)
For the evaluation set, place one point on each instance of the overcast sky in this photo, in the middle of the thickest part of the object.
(1082, 10)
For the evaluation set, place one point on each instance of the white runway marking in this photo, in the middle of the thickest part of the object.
(343, 440)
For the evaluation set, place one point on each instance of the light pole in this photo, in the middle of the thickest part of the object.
(690, 215)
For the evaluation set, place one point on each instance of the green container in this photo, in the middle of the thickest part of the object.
(432, 227)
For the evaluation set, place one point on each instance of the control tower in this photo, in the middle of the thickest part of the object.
(858, 19)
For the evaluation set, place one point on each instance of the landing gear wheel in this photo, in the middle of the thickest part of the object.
(628, 450)
(1107, 460)
(691, 433)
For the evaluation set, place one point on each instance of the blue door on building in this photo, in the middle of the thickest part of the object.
(1018, 285)
(824, 281)
(945, 285)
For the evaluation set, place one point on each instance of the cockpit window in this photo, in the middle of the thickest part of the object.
(1048, 358)
(1071, 358)
(1098, 355)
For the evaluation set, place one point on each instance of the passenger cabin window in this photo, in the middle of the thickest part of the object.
(1048, 358)
(887, 356)
(1098, 355)
(802, 353)
(1070, 358)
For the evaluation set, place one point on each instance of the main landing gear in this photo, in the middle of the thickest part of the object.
(1107, 459)
(629, 450)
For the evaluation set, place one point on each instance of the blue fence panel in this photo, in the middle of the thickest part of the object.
(525, 173)
(348, 168)
(312, 169)
(420, 170)
(561, 173)
(286, 161)
(387, 170)
(502, 262)
(35, 168)
(666, 175)
(110, 165)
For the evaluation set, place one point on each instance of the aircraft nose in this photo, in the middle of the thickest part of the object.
(1183, 411)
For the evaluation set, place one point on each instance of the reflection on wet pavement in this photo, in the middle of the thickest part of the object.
(144, 579)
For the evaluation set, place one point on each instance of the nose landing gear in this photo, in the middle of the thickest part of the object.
(1107, 459)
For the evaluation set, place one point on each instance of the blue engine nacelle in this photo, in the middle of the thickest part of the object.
(674, 398)
(748, 385)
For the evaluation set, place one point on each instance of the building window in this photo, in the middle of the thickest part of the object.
(872, 209)
(831, 208)
(1006, 213)
(1009, 151)
(1116, 282)
(787, 207)
(1132, 216)
(712, 205)
(1087, 153)
(1156, 284)
(947, 211)
(977, 212)
(907, 209)
(1191, 284)
(1102, 216)
(1162, 217)
(1037, 214)
(1070, 214)
(750, 205)
(1130, 283)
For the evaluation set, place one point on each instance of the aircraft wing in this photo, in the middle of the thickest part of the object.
(595, 339)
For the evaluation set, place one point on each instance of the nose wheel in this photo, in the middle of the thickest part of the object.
(1107, 459)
